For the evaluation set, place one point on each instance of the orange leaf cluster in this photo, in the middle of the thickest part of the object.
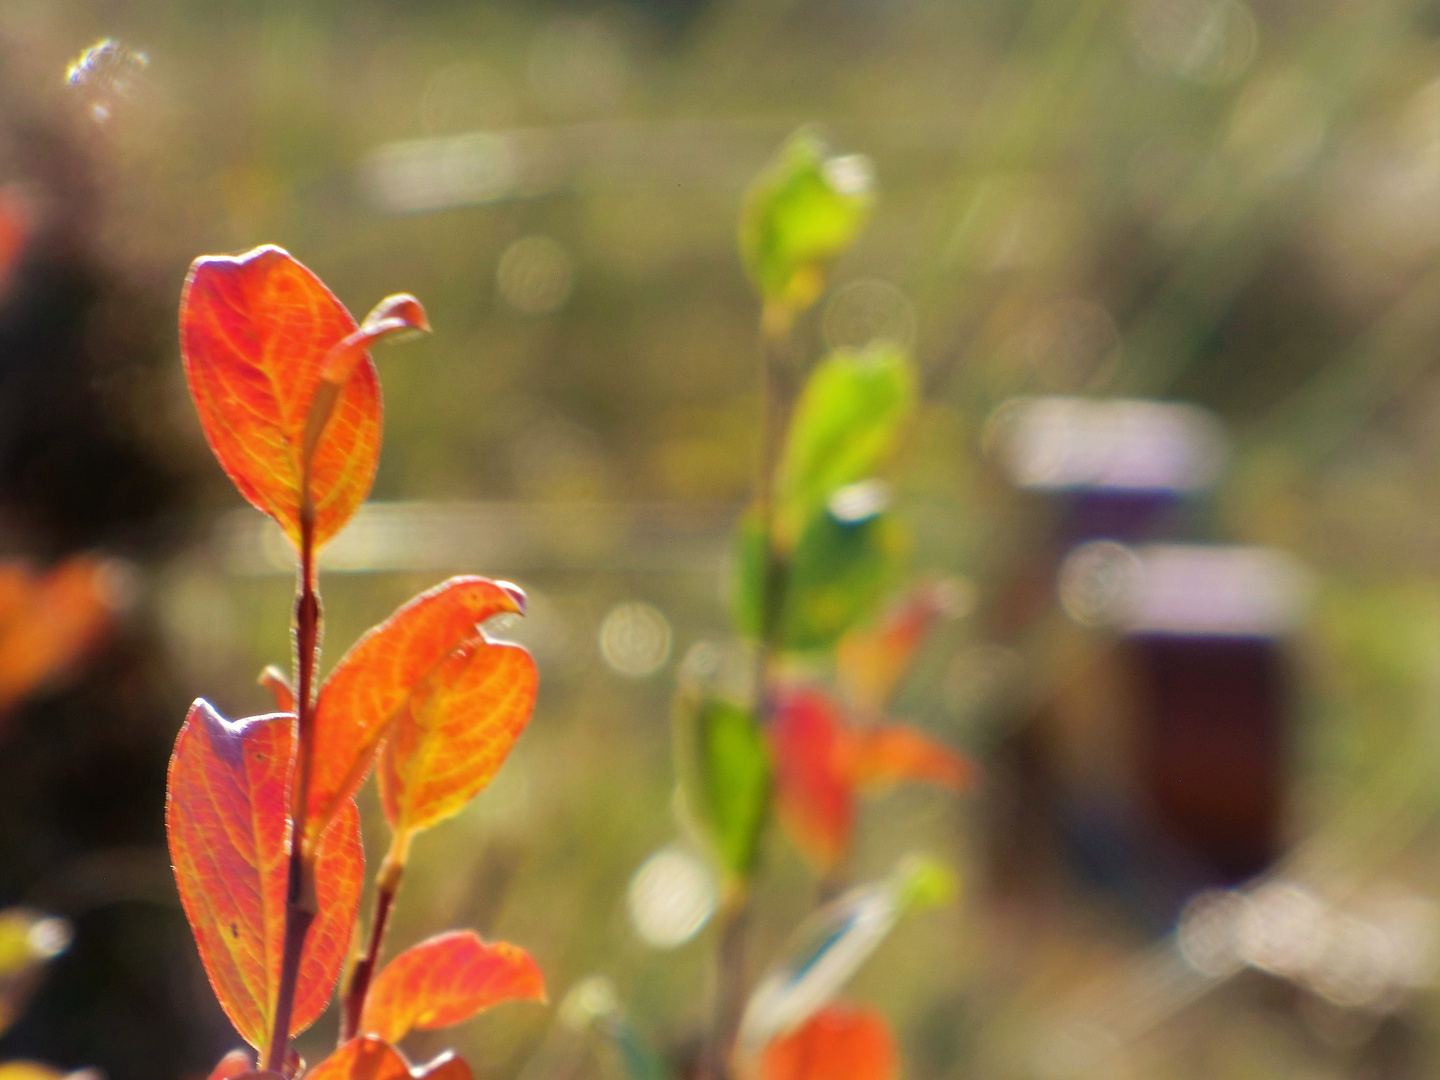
(822, 762)
(826, 753)
(290, 403)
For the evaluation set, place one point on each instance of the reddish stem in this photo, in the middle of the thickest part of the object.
(300, 899)
(364, 970)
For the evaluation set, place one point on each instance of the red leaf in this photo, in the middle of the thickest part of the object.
(255, 332)
(369, 1058)
(814, 794)
(837, 1043)
(227, 819)
(892, 752)
(447, 980)
(399, 665)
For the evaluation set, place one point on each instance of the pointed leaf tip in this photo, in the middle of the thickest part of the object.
(447, 980)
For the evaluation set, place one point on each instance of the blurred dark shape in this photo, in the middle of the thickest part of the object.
(1212, 749)
(1155, 762)
(87, 466)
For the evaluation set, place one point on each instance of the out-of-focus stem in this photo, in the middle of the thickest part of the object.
(777, 399)
(387, 884)
(301, 902)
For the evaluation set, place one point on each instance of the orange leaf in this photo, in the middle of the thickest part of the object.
(255, 332)
(447, 980)
(837, 1043)
(379, 679)
(871, 662)
(893, 752)
(814, 794)
(227, 821)
(369, 1058)
(49, 620)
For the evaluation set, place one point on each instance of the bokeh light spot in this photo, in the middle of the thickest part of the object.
(635, 639)
(535, 275)
(671, 897)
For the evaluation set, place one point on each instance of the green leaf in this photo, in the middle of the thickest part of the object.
(837, 576)
(846, 422)
(832, 581)
(804, 209)
(729, 781)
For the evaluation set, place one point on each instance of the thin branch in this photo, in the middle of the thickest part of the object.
(387, 884)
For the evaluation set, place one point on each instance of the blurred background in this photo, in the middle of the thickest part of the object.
(1171, 272)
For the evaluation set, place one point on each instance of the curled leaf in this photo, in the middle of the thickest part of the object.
(369, 1058)
(398, 314)
(412, 666)
(837, 1043)
(255, 332)
(227, 819)
(447, 980)
(275, 680)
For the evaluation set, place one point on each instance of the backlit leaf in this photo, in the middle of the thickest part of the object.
(227, 819)
(397, 669)
(814, 794)
(802, 211)
(846, 422)
(255, 332)
(369, 1058)
(447, 980)
(728, 773)
(837, 1043)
